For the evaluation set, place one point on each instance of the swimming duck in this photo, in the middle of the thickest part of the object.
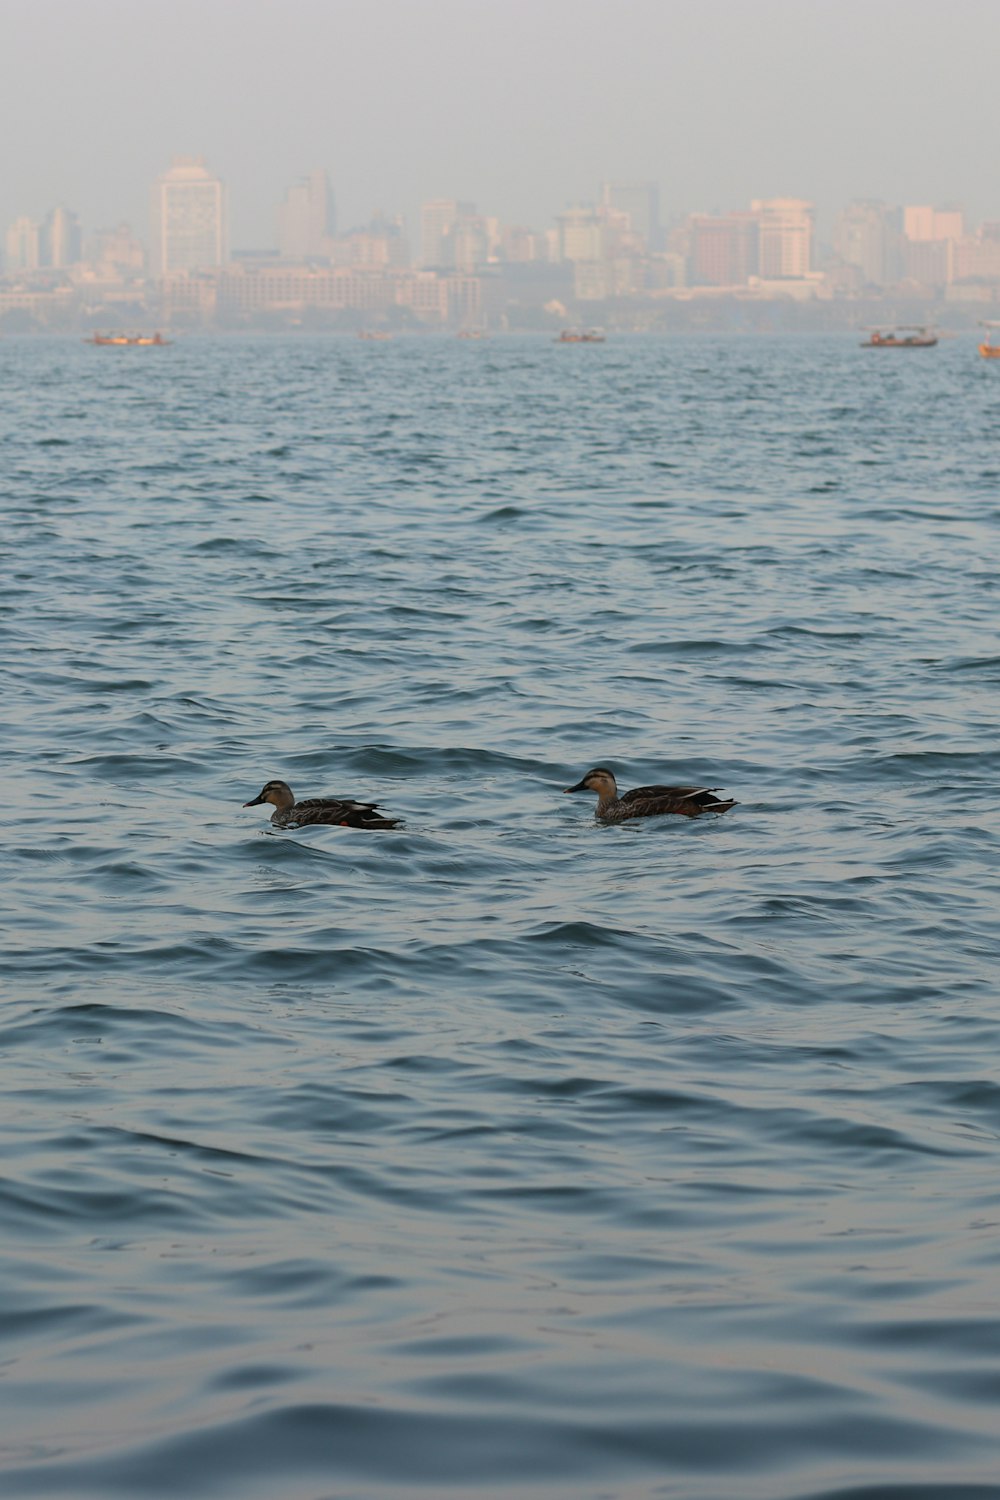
(340, 810)
(647, 801)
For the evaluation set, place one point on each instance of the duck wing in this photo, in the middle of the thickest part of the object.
(344, 811)
(689, 801)
(643, 793)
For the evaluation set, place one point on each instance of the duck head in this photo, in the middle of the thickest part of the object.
(278, 793)
(599, 780)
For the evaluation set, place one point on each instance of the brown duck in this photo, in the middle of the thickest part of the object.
(343, 811)
(647, 801)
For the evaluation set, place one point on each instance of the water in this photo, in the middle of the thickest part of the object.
(507, 1154)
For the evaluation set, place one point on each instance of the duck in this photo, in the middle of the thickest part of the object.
(343, 811)
(647, 801)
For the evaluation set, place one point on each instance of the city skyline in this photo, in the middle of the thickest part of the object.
(613, 254)
(305, 226)
(823, 99)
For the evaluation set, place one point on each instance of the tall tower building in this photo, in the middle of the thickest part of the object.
(306, 219)
(921, 222)
(641, 202)
(724, 250)
(786, 237)
(116, 253)
(469, 244)
(189, 230)
(438, 221)
(62, 241)
(866, 235)
(582, 233)
(23, 245)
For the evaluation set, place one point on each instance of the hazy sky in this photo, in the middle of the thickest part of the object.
(519, 105)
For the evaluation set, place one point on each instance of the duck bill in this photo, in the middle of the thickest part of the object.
(581, 786)
(255, 802)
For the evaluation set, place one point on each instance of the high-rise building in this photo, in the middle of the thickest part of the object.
(866, 235)
(306, 219)
(23, 245)
(977, 259)
(928, 262)
(641, 202)
(380, 245)
(116, 253)
(61, 238)
(438, 222)
(930, 236)
(921, 222)
(469, 244)
(582, 233)
(518, 244)
(189, 230)
(786, 237)
(723, 249)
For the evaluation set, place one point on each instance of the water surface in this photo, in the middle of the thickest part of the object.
(505, 1154)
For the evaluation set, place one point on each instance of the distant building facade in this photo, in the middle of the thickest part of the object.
(640, 202)
(928, 263)
(380, 245)
(785, 244)
(582, 233)
(977, 259)
(62, 241)
(116, 253)
(188, 220)
(930, 240)
(723, 249)
(307, 219)
(922, 223)
(867, 236)
(23, 245)
(518, 245)
(440, 221)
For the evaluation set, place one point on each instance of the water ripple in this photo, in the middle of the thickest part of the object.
(503, 1153)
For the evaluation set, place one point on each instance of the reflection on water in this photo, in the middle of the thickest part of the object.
(503, 1153)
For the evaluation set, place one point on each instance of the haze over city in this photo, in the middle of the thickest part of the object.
(520, 108)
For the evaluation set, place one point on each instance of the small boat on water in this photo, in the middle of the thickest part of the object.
(375, 335)
(581, 336)
(129, 340)
(903, 336)
(989, 348)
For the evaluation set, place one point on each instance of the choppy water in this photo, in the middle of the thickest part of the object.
(507, 1154)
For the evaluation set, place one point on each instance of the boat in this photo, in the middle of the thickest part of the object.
(122, 340)
(903, 336)
(472, 333)
(376, 335)
(989, 348)
(581, 336)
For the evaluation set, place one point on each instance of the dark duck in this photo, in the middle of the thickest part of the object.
(342, 811)
(647, 801)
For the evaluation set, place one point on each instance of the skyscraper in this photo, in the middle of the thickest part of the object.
(641, 201)
(24, 245)
(582, 233)
(306, 219)
(61, 238)
(866, 235)
(921, 222)
(116, 253)
(188, 218)
(438, 221)
(786, 236)
(723, 248)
